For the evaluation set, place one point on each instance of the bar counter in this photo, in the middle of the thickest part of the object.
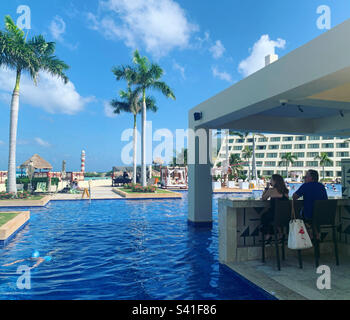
(239, 223)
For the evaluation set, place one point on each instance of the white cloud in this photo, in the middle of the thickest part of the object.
(256, 60)
(50, 94)
(57, 28)
(108, 109)
(222, 75)
(159, 25)
(217, 50)
(42, 142)
(180, 68)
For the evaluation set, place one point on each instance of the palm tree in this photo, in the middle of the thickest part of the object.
(144, 76)
(287, 159)
(253, 135)
(31, 56)
(147, 77)
(235, 164)
(247, 153)
(132, 103)
(324, 161)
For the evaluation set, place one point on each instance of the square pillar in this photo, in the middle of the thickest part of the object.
(199, 177)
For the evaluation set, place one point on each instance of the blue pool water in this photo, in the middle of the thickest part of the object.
(119, 249)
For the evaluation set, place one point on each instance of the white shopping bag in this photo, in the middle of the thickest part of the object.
(298, 237)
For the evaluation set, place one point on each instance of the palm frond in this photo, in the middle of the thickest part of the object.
(13, 30)
(164, 88)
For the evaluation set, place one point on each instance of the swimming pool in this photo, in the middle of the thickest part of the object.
(120, 249)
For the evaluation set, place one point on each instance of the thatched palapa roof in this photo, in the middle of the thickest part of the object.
(38, 163)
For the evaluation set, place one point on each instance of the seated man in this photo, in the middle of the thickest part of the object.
(311, 190)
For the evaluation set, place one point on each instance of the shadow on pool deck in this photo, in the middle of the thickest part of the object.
(292, 283)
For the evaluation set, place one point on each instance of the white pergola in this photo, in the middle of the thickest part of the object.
(305, 92)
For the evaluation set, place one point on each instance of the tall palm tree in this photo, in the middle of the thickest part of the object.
(31, 56)
(148, 77)
(236, 164)
(287, 159)
(130, 102)
(247, 153)
(324, 161)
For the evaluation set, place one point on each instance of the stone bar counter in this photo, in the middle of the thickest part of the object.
(240, 238)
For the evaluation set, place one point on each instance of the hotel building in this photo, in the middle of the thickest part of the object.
(270, 148)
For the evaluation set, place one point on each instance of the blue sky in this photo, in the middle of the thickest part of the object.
(203, 47)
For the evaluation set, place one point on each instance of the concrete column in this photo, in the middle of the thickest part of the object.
(227, 233)
(199, 177)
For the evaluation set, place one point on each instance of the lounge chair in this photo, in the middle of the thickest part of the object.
(40, 187)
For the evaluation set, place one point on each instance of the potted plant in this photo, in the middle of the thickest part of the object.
(231, 183)
(216, 182)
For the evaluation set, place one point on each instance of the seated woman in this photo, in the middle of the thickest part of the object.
(275, 189)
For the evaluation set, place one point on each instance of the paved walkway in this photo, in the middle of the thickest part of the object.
(292, 283)
(98, 192)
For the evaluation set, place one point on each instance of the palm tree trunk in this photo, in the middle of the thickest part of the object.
(286, 170)
(11, 179)
(135, 151)
(143, 142)
(255, 172)
(323, 172)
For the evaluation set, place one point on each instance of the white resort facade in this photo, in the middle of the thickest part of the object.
(271, 147)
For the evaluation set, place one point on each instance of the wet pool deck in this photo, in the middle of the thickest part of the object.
(293, 283)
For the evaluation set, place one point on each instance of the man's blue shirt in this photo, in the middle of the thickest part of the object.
(310, 192)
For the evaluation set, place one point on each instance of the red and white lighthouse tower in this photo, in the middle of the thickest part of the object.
(83, 161)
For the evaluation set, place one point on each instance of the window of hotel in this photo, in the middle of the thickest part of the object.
(267, 173)
(343, 154)
(275, 139)
(313, 146)
(327, 138)
(338, 173)
(259, 163)
(287, 138)
(270, 163)
(338, 163)
(260, 155)
(298, 164)
(282, 154)
(312, 163)
(330, 154)
(237, 148)
(263, 140)
(240, 140)
(231, 140)
(312, 154)
(299, 146)
(327, 145)
(229, 148)
(329, 173)
(260, 147)
(299, 154)
(250, 140)
(342, 145)
(271, 155)
(300, 138)
(311, 138)
(274, 147)
(286, 146)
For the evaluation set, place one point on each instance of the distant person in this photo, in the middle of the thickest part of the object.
(275, 189)
(311, 191)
